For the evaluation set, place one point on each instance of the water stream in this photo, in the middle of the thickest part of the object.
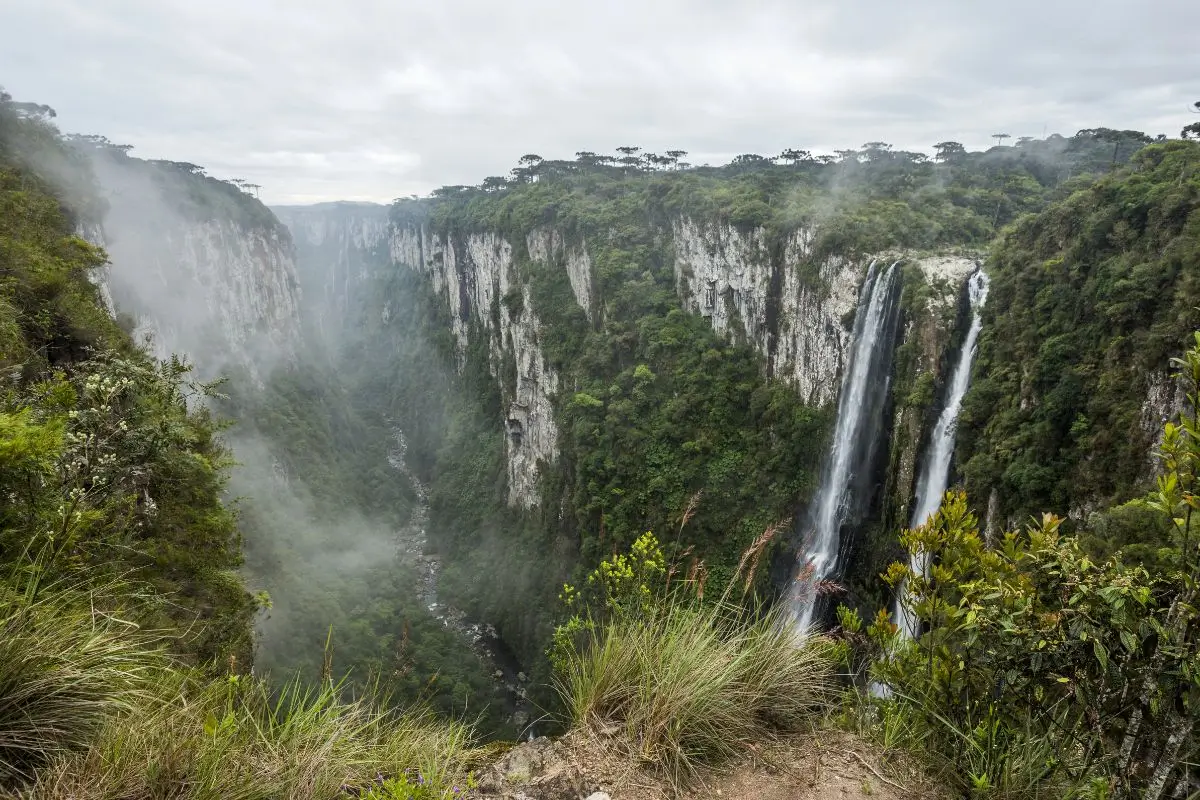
(935, 473)
(861, 403)
(482, 638)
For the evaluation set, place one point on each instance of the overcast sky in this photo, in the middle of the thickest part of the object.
(374, 99)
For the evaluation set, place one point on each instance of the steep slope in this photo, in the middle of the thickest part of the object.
(1090, 301)
(107, 474)
(204, 268)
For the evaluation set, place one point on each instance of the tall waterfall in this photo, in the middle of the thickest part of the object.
(935, 474)
(859, 419)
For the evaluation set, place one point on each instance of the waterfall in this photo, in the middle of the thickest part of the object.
(861, 403)
(935, 474)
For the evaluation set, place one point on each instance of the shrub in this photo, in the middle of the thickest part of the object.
(1043, 671)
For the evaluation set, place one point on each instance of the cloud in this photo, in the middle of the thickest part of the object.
(319, 100)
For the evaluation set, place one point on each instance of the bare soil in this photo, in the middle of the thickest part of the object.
(828, 765)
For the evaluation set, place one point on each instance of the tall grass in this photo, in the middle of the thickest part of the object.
(92, 707)
(235, 741)
(69, 661)
(689, 685)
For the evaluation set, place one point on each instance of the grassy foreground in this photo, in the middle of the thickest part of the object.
(91, 706)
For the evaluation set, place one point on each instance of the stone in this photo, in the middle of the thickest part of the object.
(726, 275)
(476, 273)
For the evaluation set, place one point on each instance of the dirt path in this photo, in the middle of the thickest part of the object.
(831, 765)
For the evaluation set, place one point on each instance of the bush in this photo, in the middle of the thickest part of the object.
(1043, 671)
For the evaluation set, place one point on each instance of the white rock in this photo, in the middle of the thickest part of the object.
(217, 290)
(546, 245)
(726, 276)
(475, 273)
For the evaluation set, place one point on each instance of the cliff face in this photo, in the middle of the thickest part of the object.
(797, 324)
(476, 275)
(201, 274)
(338, 245)
(793, 313)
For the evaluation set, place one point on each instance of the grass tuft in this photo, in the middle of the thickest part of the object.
(691, 685)
(68, 662)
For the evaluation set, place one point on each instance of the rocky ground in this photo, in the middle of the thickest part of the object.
(830, 765)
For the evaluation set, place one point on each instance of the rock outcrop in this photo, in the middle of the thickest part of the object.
(204, 270)
(476, 275)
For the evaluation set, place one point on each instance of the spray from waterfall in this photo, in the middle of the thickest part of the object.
(860, 411)
(935, 475)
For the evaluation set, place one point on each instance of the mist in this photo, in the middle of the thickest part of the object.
(332, 517)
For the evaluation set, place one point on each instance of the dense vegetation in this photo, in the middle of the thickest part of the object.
(126, 628)
(119, 469)
(1041, 670)
(104, 466)
(1089, 301)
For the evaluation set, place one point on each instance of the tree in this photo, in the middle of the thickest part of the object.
(750, 161)
(494, 183)
(794, 156)
(948, 152)
(587, 158)
(1000, 137)
(528, 169)
(180, 166)
(654, 160)
(1116, 138)
(877, 151)
(449, 191)
(629, 158)
(1192, 131)
(33, 110)
(675, 156)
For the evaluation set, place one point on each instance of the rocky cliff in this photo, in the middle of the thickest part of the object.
(203, 269)
(339, 244)
(792, 311)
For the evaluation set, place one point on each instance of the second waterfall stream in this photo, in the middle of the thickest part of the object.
(935, 473)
